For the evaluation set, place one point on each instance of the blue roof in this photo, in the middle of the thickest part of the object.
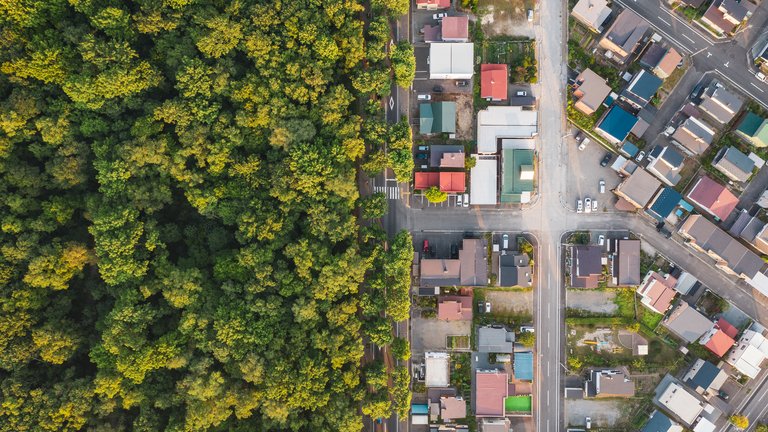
(684, 204)
(646, 85)
(629, 148)
(419, 409)
(617, 123)
(658, 423)
(665, 203)
(524, 366)
(705, 375)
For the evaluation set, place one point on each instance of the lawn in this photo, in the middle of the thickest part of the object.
(458, 342)
(517, 404)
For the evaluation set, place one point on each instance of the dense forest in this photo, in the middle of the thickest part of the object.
(183, 246)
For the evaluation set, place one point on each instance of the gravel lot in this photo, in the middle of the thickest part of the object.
(429, 334)
(510, 301)
(593, 301)
(604, 413)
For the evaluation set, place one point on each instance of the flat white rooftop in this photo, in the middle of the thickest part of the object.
(483, 181)
(451, 60)
(504, 122)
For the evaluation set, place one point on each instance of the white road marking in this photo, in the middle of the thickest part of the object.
(686, 36)
(726, 63)
(665, 21)
(758, 87)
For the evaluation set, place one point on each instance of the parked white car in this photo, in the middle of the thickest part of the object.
(602, 186)
(466, 200)
(594, 205)
(583, 144)
(760, 76)
(587, 205)
(459, 202)
(601, 240)
(440, 15)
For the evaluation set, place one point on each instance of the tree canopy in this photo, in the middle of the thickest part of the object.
(179, 249)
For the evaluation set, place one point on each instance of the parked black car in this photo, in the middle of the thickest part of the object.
(437, 89)
(607, 158)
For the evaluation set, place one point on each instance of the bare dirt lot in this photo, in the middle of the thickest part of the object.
(465, 114)
(505, 17)
(593, 301)
(430, 334)
(504, 301)
(604, 413)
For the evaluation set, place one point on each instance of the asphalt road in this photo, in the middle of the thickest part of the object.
(727, 57)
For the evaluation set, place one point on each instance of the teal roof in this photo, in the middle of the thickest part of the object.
(514, 163)
(664, 204)
(749, 124)
(437, 117)
(617, 123)
(524, 366)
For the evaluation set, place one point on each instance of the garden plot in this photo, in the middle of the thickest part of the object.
(505, 17)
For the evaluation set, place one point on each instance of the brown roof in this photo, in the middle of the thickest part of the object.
(454, 308)
(658, 292)
(590, 90)
(638, 188)
(490, 391)
(628, 262)
(716, 18)
(713, 197)
(452, 408)
(669, 62)
(474, 262)
(455, 27)
(586, 266)
(452, 160)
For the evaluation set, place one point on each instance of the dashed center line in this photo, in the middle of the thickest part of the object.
(757, 87)
(686, 36)
(664, 21)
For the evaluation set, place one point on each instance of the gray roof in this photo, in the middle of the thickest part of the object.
(653, 55)
(474, 262)
(734, 9)
(627, 30)
(586, 264)
(720, 103)
(609, 382)
(627, 263)
(495, 340)
(687, 323)
(734, 163)
(514, 270)
(712, 239)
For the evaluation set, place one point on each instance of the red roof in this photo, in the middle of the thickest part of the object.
(726, 327)
(455, 308)
(659, 292)
(490, 390)
(441, 4)
(456, 27)
(719, 343)
(452, 182)
(425, 180)
(714, 197)
(493, 81)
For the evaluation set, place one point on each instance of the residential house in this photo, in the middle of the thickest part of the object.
(592, 13)
(685, 282)
(454, 308)
(616, 124)
(638, 189)
(446, 156)
(437, 367)
(452, 408)
(666, 164)
(495, 425)
(437, 117)
(471, 269)
(687, 323)
(455, 29)
(448, 182)
(751, 229)
(668, 63)
(493, 81)
(725, 15)
(659, 422)
(609, 383)
(730, 255)
(705, 378)
(491, 390)
(652, 55)
(623, 36)
(753, 129)
(511, 122)
(432, 33)
(495, 340)
(626, 262)
(453, 60)
(681, 403)
(589, 91)
(717, 340)
(586, 266)
(713, 197)
(657, 292)
(641, 89)
(749, 354)
(664, 203)
(693, 135)
(720, 104)
(433, 4)
(734, 164)
(515, 270)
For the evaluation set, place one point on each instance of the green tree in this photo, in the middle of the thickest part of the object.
(739, 421)
(374, 206)
(403, 63)
(528, 339)
(401, 349)
(435, 195)
(401, 162)
(575, 363)
(470, 162)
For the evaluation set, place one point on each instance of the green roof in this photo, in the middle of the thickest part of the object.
(515, 163)
(749, 124)
(437, 117)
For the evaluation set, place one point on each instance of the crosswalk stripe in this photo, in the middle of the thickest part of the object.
(392, 192)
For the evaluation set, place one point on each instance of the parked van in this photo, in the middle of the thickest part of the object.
(505, 241)
(424, 97)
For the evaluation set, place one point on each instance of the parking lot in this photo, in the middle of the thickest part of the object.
(585, 173)
(439, 244)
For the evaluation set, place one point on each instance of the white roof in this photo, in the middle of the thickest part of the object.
(483, 181)
(504, 122)
(704, 425)
(750, 352)
(451, 60)
(419, 419)
(681, 403)
(518, 143)
(760, 283)
(591, 12)
(685, 282)
(437, 366)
